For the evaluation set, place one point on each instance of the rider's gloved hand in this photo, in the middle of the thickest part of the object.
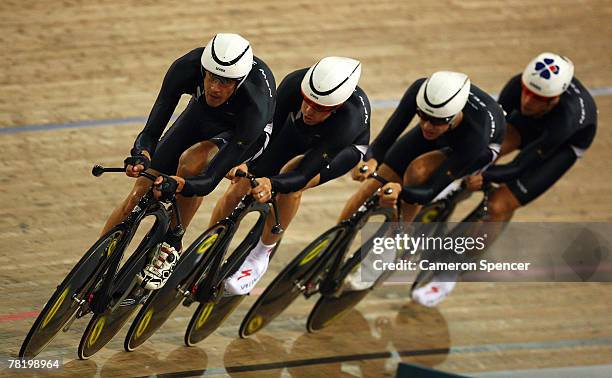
(165, 186)
(140, 161)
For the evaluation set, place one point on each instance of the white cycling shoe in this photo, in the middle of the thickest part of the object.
(353, 281)
(157, 272)
(433, 293)
(250, 272)
(365, 276)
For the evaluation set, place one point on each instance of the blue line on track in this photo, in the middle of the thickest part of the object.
(376, 104)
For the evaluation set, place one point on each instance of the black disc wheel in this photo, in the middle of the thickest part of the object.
(62, 305)
(208, 317)
(161, 303)
(289, 283)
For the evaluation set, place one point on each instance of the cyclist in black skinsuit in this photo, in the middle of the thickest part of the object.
(552, 119)
(459, 137)
(227, 121)
(460, 132)
(322, 128)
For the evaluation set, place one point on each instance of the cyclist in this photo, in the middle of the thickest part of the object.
(460, 130)
(322, 130)
(552, 120)
(227, 121)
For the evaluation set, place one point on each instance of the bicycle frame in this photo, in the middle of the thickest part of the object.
(99, 301)
(210, 272)
(331, 284)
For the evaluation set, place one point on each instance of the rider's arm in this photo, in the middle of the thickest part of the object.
(350, 125)
(287, 96)
(425, 193)
(310, 165)
(397, 123)
(533, 154)
(176, 82)
(295, 180)
(228, 157)
(251, 124)
(510, 95)
(453, 167)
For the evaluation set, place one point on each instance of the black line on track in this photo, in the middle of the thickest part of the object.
(307, 362)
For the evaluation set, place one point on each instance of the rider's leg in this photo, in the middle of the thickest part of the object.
(502, 204)
(512, 140)
(256, 263)
(191, 163)
(229, 200)
(530, 185)
(367, 189)
(287, 204)
(141, 186)
(417, 173)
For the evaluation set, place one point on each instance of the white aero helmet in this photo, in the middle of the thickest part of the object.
(331, 81)
(444, 94)
(228, 55)
(548, 75)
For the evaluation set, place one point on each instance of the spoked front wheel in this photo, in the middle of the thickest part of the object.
(63, 304)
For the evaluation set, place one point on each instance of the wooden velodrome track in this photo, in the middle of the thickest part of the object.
(85, 64)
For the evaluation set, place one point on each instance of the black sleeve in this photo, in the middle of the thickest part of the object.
(251, 124)
(342, 133)
(397, 123)
(227, 158)
(557, 132)
(510, 96)
(311, 164)
(469, 146)
(309, 167)
(286, 99)
(451, 169)
(176, 83)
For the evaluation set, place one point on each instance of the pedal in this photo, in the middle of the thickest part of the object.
(188, 294)
(76, 299)
(299, 286)
(310, 290)
(127, 302)
(74, 315)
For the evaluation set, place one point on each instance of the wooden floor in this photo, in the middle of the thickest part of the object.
(101, 63)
